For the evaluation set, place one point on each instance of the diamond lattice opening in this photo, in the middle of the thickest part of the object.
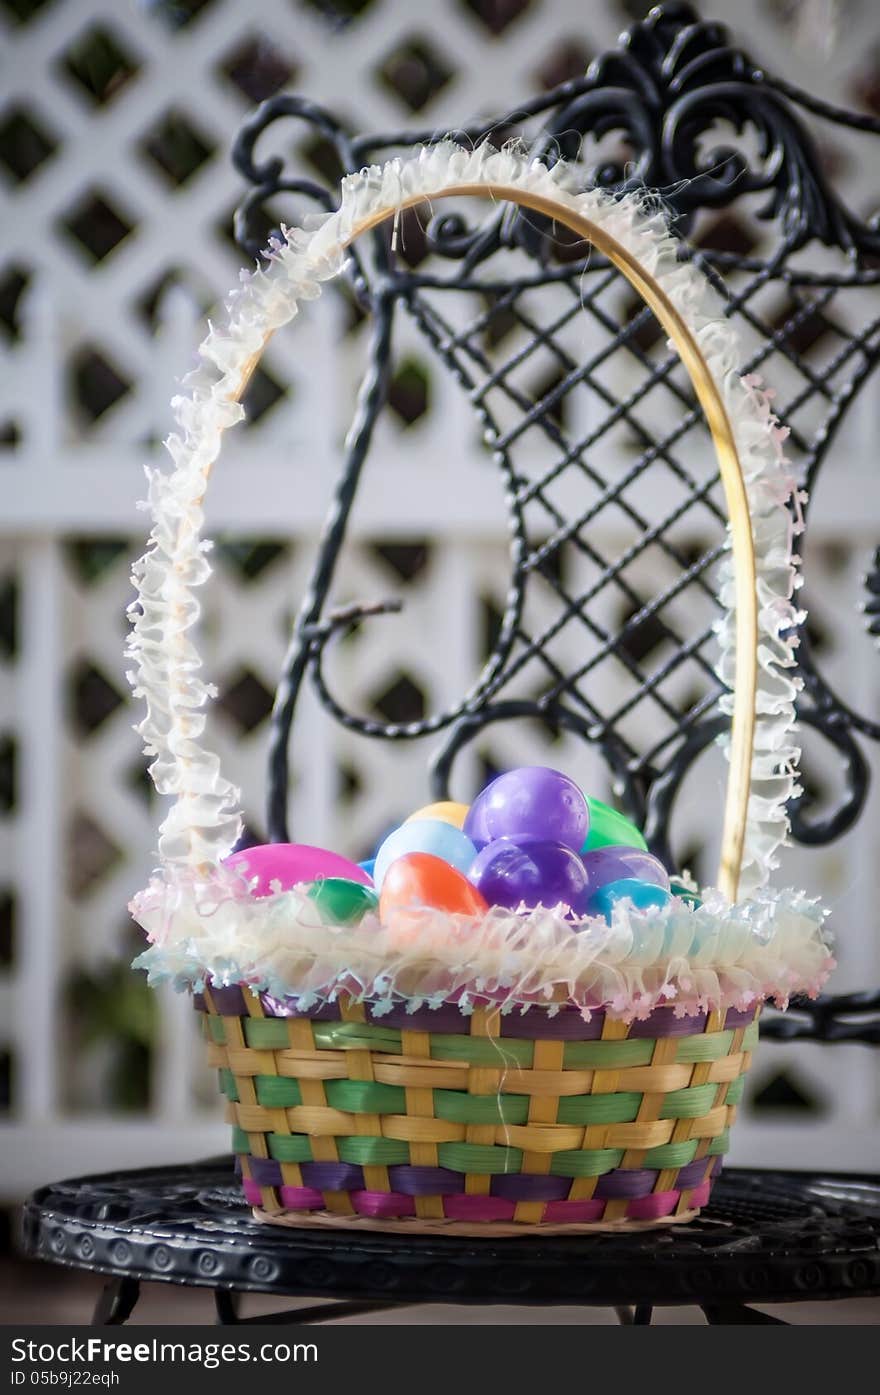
(8, 773)
(402, 700)
(25, 143)
(263, 394)
(8, 618)
(497, 15)
(246, 700)
(13, 283)
(415, 72)
(97, 225)
(177, 14)
(92, 697)
(99, 63)
(95, 385)
(409, 392)
(176, 145)
(91, 854)
(567, 60)
(257, 67)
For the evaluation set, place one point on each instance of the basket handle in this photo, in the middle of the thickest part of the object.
(202, 824)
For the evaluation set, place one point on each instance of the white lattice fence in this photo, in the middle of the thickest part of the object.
(116, 242)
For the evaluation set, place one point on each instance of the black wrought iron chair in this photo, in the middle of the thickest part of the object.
(495, 302)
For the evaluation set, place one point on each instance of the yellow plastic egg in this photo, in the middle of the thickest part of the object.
(447, 811)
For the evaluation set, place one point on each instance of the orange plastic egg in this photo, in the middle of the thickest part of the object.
(420, 881)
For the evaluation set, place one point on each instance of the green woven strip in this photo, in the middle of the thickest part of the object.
(719, 1145)
(460, 1108)
(277, 1092)
(671, 1154)
(688, 1103)
(365, 1097)
(479, 1157)
(709, 1046)
(240, 1141)
(735, 1090)
(289, 1147)
(266, 1033)
(483, 1051)
(227, 1083)
(385, 1152)
(587, 1162)
(599, 1109)
(216, 1028)
(356, 1036)
(600, 1055)
(750, 1036)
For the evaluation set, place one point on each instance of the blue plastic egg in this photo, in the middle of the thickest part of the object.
(642, 895)
(368, 866)
(432, 836)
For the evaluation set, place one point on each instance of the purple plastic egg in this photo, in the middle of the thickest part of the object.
(532, 802)
(616, 863)
(547, 874)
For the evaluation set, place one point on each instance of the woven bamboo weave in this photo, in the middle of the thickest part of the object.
(437, 1117)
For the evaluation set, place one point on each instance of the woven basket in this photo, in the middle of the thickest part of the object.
(447, 1122)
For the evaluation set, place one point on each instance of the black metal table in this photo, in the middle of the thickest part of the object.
(767, 1237)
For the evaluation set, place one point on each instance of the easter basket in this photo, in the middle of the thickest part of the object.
(504, 1069)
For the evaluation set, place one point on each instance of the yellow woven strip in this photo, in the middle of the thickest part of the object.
(653, 1096)
(256, 1133)
(299, 1032)
(418, 1081)
(700, 1074)
(723, 1077)
(543, 1109)
(360, 1067)
(607, 1082)
(483, 1080)
(433, 1075)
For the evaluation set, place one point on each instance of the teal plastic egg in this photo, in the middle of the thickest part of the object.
(642, 894)
(684, 893)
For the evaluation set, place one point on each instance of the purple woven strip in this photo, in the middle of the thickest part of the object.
(266, 1172)
(285, 1007)
(526, 1186)
(567, 1025)
(637, 1181)
(333, 1176)
(736, 1018)
(447, 1019)
(425, 1181)
(693, 1174)
(229, 1000)
(664, 1023)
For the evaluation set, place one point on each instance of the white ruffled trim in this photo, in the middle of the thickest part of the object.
(715, 956)
(204, 821)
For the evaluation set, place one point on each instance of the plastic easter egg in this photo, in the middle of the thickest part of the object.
(368, 866)
(425, 836)
(615, 863)
(642, 894)
(684, 893)
(291, 863)
(610, 828)
(342, 902)
(532, 802)
(546, 874)
(446, 810)
(418, 879)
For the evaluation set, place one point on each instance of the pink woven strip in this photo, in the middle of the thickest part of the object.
(252, 1192)
(648, 1208)
(467, 1207)
(301, 1198)
(383, 1204)
(574, 1212)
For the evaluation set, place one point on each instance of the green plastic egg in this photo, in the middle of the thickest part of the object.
(608, 827)
(342, 902)
(684, 893)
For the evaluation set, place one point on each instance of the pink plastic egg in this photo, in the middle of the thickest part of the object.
(292, 863)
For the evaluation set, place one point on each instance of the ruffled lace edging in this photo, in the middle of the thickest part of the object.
(714, 956)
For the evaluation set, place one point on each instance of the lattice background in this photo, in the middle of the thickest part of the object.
(115, 124)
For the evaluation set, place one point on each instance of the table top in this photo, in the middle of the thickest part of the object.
(767, 1237)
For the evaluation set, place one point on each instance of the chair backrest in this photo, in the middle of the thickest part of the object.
(617, 517)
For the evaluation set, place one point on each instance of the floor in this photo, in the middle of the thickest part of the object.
(43, 1294)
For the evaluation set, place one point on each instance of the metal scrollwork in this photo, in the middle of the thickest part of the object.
(669, 110)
